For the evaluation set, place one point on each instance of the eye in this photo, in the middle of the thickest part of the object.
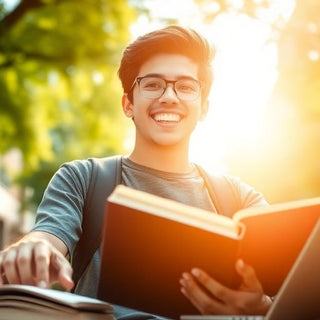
(151, 84)
(187, 86)
(186, 89)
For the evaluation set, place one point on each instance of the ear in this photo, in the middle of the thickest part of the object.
(204, 110)
(127, 106)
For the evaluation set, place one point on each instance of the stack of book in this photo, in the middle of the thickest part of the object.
(33, 303)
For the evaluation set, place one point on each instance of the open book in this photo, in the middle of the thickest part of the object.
(149, 242)
(32, 303)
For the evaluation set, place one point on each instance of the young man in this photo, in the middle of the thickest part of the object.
(166, 77)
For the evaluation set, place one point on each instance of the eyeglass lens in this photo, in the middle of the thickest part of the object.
(153, 87)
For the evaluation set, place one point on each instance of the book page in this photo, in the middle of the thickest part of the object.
(276, 208)
(176, 211)
(61, 297)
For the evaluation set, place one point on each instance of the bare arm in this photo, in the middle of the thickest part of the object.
(37, 259)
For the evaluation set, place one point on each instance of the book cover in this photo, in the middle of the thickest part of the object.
(149, 242)
(274, 237)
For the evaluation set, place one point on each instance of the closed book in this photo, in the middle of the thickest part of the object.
(33, 303)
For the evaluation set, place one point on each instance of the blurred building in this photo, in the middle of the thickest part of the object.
(14, 222)
(9, 215)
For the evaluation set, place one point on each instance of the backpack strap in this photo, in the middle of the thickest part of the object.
(222, 192)
(105, 176)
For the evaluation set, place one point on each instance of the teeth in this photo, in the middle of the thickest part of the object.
(167, 117)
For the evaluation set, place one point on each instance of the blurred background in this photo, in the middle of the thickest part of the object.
(60, 97)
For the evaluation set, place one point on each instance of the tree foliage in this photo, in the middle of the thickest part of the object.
(60, 96)
(286, 167)
(296, 100)
(59, 92)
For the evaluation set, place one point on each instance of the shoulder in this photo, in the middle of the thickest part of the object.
(247, 194)
(77, 166)
(242, 194)
(91, 168)
(84, 167)
(72, 176)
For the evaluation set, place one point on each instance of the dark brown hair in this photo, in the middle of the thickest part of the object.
(172, 40)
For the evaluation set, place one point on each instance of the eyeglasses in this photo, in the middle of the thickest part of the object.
(154, 87)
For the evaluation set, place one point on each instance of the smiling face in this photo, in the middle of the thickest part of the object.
(167, 120)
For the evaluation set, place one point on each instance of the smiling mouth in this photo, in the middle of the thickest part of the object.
(166, 117)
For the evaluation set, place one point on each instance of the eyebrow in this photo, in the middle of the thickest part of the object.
(159, 75)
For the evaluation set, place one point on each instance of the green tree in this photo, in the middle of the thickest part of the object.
(296, 101)
(59, 90)
(286, 167)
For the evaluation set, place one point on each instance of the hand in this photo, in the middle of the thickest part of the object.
(211, 297)
(35, 260)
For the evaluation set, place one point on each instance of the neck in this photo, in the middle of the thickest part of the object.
(169, 159)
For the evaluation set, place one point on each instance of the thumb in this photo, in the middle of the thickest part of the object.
(65, 278)
(249, 279)
(64, 270)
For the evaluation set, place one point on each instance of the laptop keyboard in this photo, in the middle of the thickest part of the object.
(241, 318)
(231, 317)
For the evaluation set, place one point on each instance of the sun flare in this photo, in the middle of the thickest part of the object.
(245, 71)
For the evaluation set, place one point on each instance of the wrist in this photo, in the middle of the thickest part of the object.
(266, 303)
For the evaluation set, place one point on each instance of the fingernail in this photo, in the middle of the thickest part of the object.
(185, 276)
(240, 263)
(183, 290)
(42, 284)
(195, 272)
(182, 282)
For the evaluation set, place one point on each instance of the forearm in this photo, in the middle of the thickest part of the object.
(35, 236)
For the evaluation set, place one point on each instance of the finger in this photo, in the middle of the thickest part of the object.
(9, 267)
(194, 301)
(42, 261)
(198, 297)
(249, 279)
(218, 290)
(63, 269)
(24, 264)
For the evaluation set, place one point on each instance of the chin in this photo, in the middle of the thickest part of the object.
(170, 142)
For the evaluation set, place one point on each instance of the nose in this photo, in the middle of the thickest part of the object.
(169, 95)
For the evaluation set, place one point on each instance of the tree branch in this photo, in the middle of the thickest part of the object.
(24, 6)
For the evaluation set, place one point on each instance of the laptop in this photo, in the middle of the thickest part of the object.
(299, 295)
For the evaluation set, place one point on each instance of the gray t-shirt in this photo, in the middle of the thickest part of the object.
(60, 212)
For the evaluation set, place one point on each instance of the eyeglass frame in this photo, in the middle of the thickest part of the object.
(173, 82)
